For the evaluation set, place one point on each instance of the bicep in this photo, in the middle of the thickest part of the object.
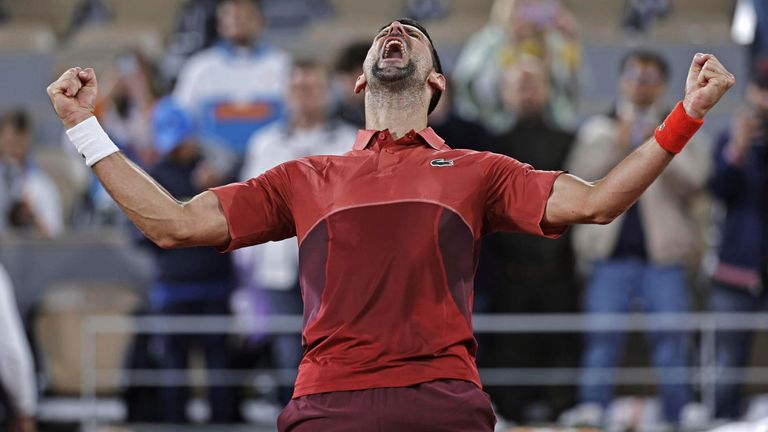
(569, 203)
(206, 222)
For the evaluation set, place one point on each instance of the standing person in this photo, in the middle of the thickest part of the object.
(641, 255)
(387, 233)
(247, 93)
(740, 183)
(516, 29)
(196, 281)
(29, 199)
(271, 271)
(530, 274)
(17, 370)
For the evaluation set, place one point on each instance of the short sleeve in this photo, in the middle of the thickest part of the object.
(517, 197)
(257, 210)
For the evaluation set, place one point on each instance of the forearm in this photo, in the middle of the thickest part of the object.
(617, 191)
(153, 210)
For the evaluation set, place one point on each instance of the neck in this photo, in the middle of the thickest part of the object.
(302, 121)
(398, 112)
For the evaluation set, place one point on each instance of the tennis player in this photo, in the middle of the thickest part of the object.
(389, 234)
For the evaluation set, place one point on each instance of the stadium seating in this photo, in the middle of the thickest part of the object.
(99, 45)
(57, 328)
(26, 37)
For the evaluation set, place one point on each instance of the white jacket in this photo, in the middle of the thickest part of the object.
(664, 208)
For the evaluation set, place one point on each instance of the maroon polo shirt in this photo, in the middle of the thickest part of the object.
(389, 235)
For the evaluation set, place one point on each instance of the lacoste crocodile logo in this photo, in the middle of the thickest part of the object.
(441, 162)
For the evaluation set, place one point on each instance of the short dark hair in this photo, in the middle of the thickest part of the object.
(646, 56)
(18, 119)
(352, 57)
(759, 73)
(435, 57)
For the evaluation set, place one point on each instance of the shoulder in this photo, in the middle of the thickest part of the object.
(277, 55)
(266, 136)
(205, 58)
(485, 160)
(595, 126)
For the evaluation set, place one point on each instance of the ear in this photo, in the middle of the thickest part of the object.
(360, 84)
(436, 81)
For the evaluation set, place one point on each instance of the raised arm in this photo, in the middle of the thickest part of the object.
(163, 219)
(576, 201)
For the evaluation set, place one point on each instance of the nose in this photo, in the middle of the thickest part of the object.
(396, 28)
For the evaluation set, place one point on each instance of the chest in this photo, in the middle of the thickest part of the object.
(240, 79)
(388, 177)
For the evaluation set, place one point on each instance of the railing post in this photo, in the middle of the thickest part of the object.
(88, 418)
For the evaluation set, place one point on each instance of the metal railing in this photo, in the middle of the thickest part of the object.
(705, 376)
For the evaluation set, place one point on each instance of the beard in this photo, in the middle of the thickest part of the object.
(396, 87)
(393, 74)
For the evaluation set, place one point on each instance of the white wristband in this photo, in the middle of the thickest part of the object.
(91, 141)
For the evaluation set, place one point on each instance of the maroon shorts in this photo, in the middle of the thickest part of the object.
(444, 405)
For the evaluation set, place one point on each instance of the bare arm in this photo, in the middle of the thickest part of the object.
(575, 201)
(162, 218)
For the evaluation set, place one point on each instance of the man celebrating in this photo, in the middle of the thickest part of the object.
(388, 235)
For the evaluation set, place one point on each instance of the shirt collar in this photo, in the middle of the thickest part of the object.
(365, 136)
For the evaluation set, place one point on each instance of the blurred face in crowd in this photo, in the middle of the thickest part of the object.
(14, 144)
(309, 92)
(758, 99)
(525, 89)
(239, 22)
(400, 61)
(642, 83)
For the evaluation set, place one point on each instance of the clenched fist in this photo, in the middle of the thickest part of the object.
(73, 95)
(707, 82)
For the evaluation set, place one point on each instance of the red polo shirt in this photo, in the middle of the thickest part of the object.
(389, 235)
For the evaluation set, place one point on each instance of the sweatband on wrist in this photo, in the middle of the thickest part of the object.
(91, 141)
(673, 134)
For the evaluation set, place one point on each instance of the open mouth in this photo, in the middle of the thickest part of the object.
(393, 50)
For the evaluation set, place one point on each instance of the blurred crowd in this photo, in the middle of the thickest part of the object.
(224, 104)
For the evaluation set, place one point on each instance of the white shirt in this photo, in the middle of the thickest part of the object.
(17, 372)
(275, 265)
(232, 92)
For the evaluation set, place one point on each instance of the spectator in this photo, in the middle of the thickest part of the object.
(349, 65)
(89, 12)
(541, 28)
(195, 281)
(236, 87)
(739, 182)
(17, 371)
(529, 274)
(127, 94)
(29, 198)
(639, 15)
(640, 256)
(270, 271)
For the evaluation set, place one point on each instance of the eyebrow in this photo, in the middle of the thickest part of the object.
(407, 27)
